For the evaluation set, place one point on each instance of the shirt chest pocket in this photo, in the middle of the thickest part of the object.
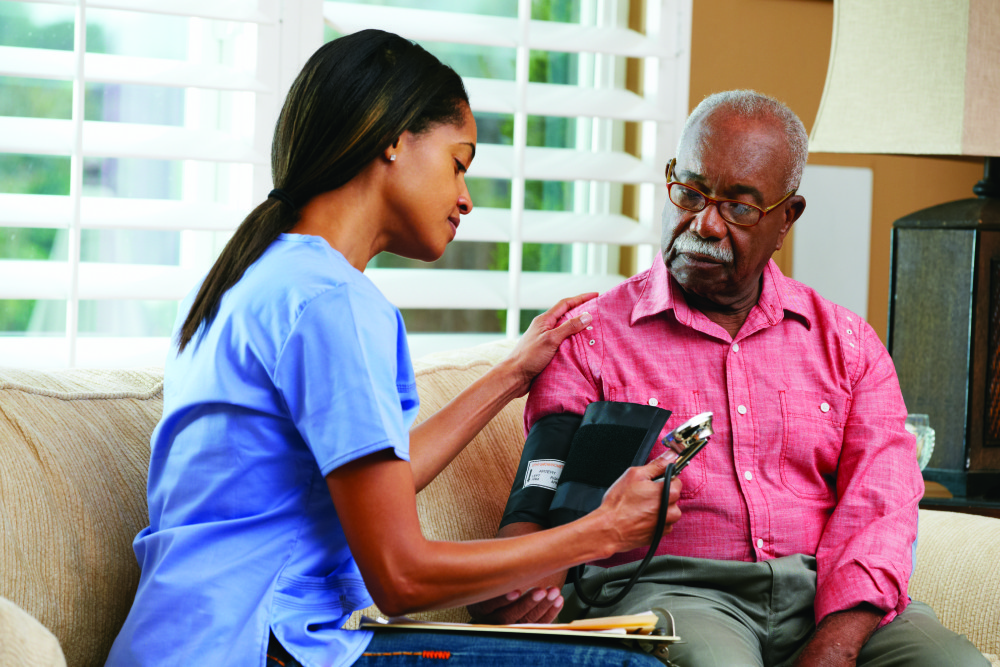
(683, 404)
(812, 436)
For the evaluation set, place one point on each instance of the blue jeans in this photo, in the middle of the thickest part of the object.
(397, 648)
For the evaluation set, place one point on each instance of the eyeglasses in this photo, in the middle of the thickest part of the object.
(737, 212)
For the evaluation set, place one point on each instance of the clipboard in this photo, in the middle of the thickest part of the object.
(638, 627)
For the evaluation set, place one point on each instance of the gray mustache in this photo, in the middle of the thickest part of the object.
(693, 244)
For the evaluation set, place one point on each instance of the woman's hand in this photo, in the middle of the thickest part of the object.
(629, 508)
(405, 572)
(633, 503)
(440, 437)
(539, 343)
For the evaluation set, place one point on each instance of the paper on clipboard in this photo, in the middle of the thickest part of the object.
(633, 626)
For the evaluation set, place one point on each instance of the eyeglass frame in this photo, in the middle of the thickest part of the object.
(711, 200)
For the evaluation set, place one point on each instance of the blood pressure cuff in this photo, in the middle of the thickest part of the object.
(569, 461)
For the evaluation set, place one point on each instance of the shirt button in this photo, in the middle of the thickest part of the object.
(589, 328)
(591, 342)
(825, 407)
(748, 475)
(760, 544)
(742, 409)
(849, 332)
(653, 402)
(736, 347)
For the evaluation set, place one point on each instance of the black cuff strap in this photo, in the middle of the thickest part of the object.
(612, 437)
(542, 461)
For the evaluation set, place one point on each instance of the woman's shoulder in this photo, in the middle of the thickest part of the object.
(297, 268)
(298, 284)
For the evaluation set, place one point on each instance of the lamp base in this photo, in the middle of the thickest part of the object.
(989, 187)
(944, 335)
(963, 484)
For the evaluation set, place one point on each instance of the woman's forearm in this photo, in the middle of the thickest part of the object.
(405, 572)
(439, 438)
(439, 575)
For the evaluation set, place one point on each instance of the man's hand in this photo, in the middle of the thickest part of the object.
(839, 637)
(538, 605)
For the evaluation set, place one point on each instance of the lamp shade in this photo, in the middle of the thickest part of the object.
(912, 77)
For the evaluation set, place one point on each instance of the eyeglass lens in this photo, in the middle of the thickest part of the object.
(731, 211)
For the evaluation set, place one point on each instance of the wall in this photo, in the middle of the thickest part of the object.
(781, 48)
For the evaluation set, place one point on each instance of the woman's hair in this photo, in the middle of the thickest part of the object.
(353, 99)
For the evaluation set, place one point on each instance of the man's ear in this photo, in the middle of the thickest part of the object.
(796, 206)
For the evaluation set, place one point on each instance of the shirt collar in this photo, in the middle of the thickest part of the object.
(662, 293)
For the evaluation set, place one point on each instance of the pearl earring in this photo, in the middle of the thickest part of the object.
(392, 158)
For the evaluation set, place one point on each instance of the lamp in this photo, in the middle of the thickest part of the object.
(923, 77)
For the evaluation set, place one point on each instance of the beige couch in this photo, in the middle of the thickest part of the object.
(74, 446)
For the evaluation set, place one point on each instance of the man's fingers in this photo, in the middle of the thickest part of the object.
(527, 609)
(487, 607)
(553, 612)
(501, 610)
(521, 608)
(544, 612)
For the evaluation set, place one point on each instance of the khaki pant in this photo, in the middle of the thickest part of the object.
(731, 614)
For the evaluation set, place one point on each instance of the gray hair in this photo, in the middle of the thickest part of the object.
(750, 104)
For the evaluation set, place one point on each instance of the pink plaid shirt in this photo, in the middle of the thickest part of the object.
(809, 454)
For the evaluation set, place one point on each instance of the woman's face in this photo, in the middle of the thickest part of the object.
(426, 192)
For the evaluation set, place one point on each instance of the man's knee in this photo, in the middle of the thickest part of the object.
(713, 638)
(916, 638)
(708, 647)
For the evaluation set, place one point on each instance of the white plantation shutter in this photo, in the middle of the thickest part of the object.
(594, 165)
(235, 61)
(157, 180)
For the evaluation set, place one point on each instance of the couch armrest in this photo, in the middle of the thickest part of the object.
(25, 641)
(958, 574)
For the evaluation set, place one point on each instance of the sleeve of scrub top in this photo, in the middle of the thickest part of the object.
(338, 374)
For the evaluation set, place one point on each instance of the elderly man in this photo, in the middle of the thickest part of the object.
(799, 517)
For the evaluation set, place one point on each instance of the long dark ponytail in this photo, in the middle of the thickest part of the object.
(354, 97)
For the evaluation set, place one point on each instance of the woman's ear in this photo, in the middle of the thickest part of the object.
(390, 152)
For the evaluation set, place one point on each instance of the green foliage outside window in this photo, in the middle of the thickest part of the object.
(35, 174)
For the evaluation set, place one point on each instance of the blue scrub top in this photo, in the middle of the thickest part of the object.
(305, 367)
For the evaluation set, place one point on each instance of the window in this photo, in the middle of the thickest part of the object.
(577, 113)
(134, 136)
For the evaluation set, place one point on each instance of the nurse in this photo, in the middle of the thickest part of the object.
(283, 473)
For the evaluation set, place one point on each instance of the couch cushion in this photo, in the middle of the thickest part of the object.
(958, 574)
(25, 641)
(466, 501)
(75, 452)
